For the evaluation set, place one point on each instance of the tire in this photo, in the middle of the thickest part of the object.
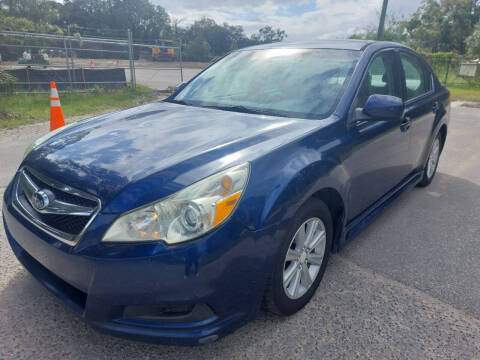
(432, 162)
(286, 298)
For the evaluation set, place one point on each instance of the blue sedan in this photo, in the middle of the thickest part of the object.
(177, 221)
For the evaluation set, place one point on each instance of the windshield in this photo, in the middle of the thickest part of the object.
(304, 83)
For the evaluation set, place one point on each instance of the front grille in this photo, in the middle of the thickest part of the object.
(66, 223)
(63, 211)
(59, 194)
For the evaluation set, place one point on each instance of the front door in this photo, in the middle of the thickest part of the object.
(379, 158)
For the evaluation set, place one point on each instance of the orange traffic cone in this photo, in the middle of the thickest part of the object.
(56, 113)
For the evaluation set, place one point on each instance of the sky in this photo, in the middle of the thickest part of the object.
(301, 19)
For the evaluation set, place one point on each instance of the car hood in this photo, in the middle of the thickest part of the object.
(171, 145)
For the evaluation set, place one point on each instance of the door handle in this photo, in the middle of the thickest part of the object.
(406, 123)
(435, 106)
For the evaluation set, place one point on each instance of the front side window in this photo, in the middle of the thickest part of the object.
(379, 79)
(418, 80)
(304, 83)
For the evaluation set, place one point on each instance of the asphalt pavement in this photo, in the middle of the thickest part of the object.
(408, 287)
(161, 79)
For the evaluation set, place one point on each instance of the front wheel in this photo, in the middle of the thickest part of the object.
(301, 260)
(432, 162)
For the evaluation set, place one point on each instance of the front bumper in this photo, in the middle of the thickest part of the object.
(100, 282)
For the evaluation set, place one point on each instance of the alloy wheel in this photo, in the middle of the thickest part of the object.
(304, 258)
(433, 158)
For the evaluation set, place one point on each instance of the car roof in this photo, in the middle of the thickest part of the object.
(348, 44)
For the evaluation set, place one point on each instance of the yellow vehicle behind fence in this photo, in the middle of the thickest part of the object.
(161, 53)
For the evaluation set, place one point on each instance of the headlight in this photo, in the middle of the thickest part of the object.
(186, 214)
(44, 138)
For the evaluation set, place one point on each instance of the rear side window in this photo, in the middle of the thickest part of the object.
(418, 79)
(379, 79)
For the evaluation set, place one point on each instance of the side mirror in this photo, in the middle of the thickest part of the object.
(180, 86)
(384, 107)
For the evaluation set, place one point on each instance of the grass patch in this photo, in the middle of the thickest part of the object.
(463, 89)
(464, 94)
(24, 109)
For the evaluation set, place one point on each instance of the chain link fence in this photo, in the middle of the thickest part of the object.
(81, 63)
(82, 59)
(448, 67)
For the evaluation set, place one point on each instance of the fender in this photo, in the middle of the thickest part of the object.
(442, 118)
(301, 171)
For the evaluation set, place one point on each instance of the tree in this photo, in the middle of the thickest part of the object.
(221, 39)
(144, 19)
(473, 42)
(237, 36)
(217, 37)
(202, 40)
(198, 49)
(394, 30)
(23, 24)
(268, 35)
(39, 11)
(442, 26)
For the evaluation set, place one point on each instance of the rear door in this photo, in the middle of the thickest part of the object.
(380, 151)
(421, 105)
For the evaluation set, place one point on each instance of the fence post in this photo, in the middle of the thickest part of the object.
(130, 56)
(446, 72)
(67, 62)
(28, 78)
(181, 63)
(72, 65)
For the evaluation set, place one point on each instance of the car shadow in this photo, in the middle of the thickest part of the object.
(428, 239)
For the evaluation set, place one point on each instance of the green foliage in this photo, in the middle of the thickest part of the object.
(394, 31)
(23, 24)
(7, 83)
(464, 94)
(201, 41)
(38, 11)
(442, 25)
(473, 42)
(268, 35)
(23, 109)
(441, 62)
(197, 49)
(442, 31)
(146, 20)
(436, 26)
(447, 67)
(205, 39)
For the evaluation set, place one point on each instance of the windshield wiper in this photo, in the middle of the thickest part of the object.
(234, 108)
(181, 102)
(244, 109)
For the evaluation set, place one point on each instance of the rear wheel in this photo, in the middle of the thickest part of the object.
(301, 261)
(432, 162)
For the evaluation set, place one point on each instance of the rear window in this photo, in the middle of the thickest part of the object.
(418, 79)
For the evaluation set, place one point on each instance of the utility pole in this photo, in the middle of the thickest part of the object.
(381, 25)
